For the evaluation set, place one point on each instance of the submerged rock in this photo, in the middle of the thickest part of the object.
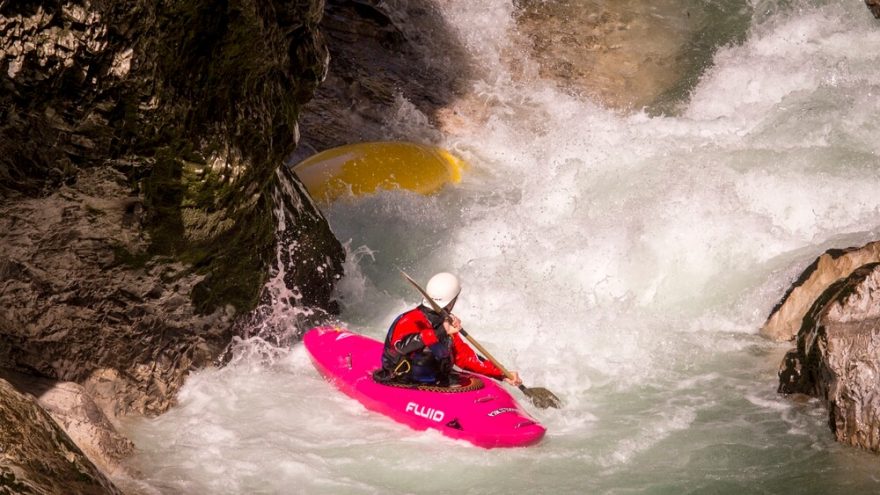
(37, 457)
(787, 317)
(837, 358)
(630, 55)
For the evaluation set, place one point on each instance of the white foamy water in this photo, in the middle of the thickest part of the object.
(624, 262)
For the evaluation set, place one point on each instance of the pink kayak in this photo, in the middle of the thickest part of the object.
(476, 409)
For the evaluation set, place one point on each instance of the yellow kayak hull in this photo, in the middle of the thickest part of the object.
(364, 168)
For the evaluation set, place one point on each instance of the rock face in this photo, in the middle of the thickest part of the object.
(37, 457)
(838, 357)
(140, 144)
(73, 310)
(787, 317)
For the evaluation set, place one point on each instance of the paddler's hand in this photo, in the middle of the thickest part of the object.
(452, 325)
(516, 381)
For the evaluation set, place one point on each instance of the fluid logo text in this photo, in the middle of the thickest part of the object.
(425, 412)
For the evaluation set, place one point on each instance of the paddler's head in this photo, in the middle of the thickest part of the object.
(443, 288)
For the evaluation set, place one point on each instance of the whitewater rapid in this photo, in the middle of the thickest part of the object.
(624, 261)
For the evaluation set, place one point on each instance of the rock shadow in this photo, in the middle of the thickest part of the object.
(391, 63)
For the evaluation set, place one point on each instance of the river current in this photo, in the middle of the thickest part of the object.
(624, 260)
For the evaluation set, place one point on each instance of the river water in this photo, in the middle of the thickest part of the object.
(623, 259)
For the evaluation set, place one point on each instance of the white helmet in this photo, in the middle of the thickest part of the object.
(443, 288)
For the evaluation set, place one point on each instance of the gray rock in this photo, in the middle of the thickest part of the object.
(837, 358)
(37, 457)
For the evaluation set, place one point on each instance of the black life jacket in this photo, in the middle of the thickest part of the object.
(427, 364)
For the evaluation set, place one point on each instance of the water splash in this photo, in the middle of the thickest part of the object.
(281, 317)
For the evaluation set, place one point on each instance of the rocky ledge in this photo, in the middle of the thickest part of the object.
(835, 307)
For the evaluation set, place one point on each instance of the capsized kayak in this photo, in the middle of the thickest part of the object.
(476, 409)
(365, 168)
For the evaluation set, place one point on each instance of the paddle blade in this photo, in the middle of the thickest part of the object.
(541, 397)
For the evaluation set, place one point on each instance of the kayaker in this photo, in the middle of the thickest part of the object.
(422, 346)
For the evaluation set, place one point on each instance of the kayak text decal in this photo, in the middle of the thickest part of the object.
(502, 410)
(425, 412)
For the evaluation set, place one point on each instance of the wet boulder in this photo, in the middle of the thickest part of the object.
(837, 358)
(141, 191)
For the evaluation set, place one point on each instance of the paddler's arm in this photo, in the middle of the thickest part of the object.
(467, 359)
